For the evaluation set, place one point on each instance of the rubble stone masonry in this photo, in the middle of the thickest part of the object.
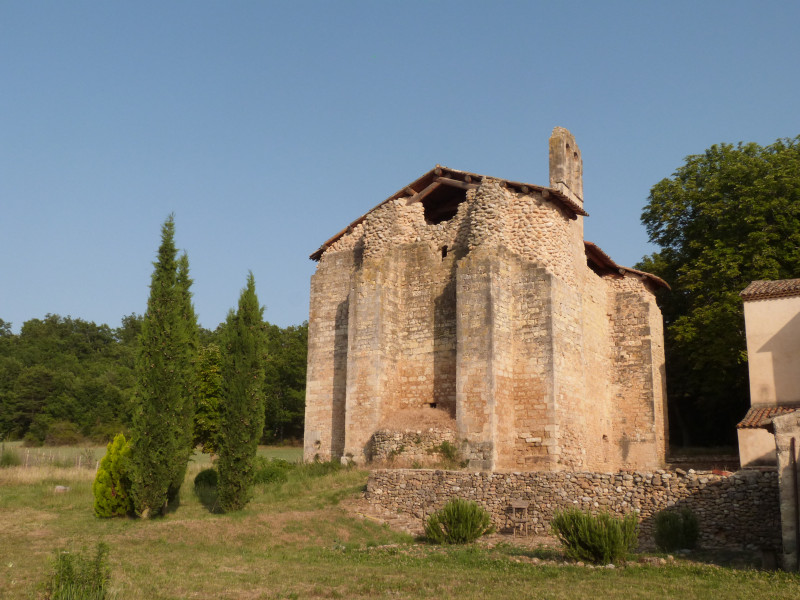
(738, 511)
(476, 296)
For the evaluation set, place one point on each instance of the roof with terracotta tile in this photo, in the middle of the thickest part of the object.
(758, 417)
(762, 290)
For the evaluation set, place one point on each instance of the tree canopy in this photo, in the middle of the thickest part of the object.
(725, 218)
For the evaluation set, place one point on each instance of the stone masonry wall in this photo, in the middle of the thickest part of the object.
(738, 511)
(422, 446)
(492, 315)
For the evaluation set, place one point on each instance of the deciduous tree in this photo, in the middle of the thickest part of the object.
(725, 218)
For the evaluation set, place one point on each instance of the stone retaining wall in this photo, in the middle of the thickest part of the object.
(422, 446)
(738, 511)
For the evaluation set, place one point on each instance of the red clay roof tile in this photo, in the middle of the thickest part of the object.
(758, 417)
(761, 290)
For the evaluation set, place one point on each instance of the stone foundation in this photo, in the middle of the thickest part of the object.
(408, 447)
(737, 511)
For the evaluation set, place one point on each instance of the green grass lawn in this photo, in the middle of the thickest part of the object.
(295, 540)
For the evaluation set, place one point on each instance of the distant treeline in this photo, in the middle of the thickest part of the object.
(65, 380)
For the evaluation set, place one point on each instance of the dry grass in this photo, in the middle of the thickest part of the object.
(295, 540)
(31, 475)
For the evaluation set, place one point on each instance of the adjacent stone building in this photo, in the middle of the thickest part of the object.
(472, 305)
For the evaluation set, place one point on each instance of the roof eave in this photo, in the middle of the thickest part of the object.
(572, 208)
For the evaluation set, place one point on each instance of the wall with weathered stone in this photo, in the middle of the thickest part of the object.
(787, 444)
(494, 316)
(740, 510)
(423, 446)
(326, 377)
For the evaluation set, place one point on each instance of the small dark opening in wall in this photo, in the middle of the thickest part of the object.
(444, 252)
(432, 404)
(442, 204)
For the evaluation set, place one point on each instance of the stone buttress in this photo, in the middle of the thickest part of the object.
(478, 298)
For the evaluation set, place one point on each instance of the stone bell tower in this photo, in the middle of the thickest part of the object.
(566, 165)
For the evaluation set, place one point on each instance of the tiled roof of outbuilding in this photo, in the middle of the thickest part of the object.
(761, 290)
(758, 417)
(596, 256)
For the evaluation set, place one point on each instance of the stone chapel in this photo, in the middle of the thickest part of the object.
(472, 305)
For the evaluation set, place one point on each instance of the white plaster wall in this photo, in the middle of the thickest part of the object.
(756, 448)
(773, 350)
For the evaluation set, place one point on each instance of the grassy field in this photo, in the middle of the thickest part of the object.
(295, 540)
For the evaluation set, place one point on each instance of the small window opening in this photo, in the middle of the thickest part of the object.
(442, 204)
(605, 438)
(432, 404)
(444, 252)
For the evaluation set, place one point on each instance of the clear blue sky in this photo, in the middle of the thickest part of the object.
(267, 127)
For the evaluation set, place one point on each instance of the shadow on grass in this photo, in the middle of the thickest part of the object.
(209, 498)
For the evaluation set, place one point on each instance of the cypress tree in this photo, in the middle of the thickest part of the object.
(164, 382)
(184, 433)
(243, 400)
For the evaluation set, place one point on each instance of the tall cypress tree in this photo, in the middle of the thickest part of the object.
(184, 433)
(243, 400)
(164, 382)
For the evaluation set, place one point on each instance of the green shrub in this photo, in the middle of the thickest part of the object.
(31, 440)
(271, 471)
(676, 529)
(63, 433)
(112, 483)
(458, 522)
(8, 457)
(449, 451)
(600, 539)
(78, 577)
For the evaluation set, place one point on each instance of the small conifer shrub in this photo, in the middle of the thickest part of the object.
(601, 539)
(676, 529)
(458, 522)
(112, 484)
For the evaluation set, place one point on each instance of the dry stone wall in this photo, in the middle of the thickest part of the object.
(739, 510)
